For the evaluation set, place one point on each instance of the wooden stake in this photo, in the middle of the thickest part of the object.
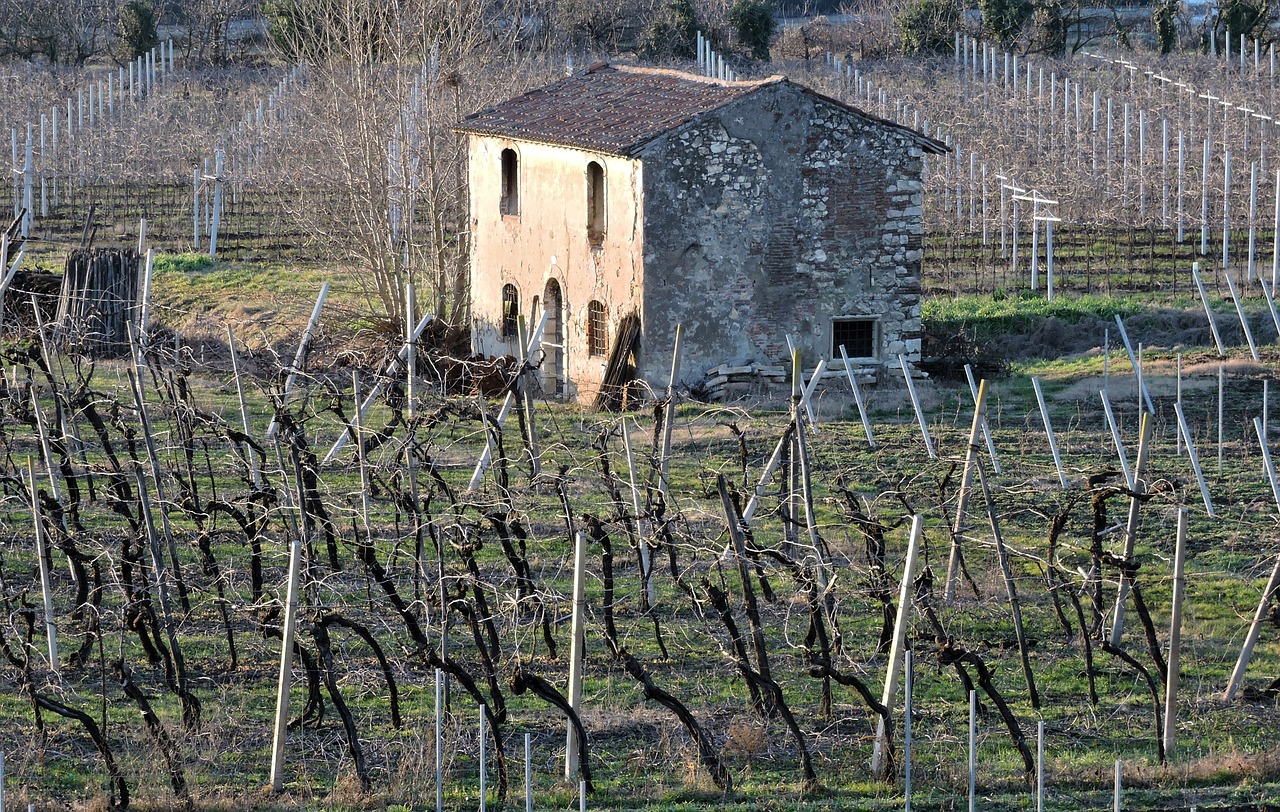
(986, 424)
(879, 762)
(1002, 554)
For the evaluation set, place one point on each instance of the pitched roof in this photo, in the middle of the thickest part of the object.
(618, 109)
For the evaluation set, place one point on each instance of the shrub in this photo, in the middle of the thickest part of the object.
(928, 26)
(1003, 19)
(673, 31)
(137, 31)
(754, 23)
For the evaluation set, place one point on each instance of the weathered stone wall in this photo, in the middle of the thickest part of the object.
(547, 241)
(770, 217)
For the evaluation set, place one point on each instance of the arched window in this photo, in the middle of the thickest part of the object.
(597, 328)
(595, 203)
(510, 182)
(510, 312)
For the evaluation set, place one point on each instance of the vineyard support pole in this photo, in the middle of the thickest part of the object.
(646, 566)
(1222, 387)
(296, 367)
(244, 410)
(219, 161)
(879, 762)
(1115, 437)
(1275, 237)
(1182, 167)
(1204, 200)
(986, 424)
(775, 459)
(1139, 488)
(1048, 430)
(962, 500)
(669, 413)
(1244, 320)
(1194, 458)
(1133, 361)
(1208, 312)
(1117, 800)
(857, 396)
(286, 666)
(46, 588)
(906, 729)
(1040, 765)
(806, 495)
(528, 773)
(1226, 209)
(973, 750)
(483, 734)
(577, 641)
(1178, 399)
(526, 398)
(439, 739)
(915, 404)
(1253, 216)
(1175, 634)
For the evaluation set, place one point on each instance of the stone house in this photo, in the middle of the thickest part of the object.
(627, 201)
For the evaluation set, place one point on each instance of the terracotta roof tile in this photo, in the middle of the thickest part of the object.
(618, 109)
(614, 109)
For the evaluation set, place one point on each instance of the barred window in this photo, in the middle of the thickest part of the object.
(857, 336)
(510, 311)
(597, 328)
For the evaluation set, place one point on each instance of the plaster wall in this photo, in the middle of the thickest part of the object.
(548, 240)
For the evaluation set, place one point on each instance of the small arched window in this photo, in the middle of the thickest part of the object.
(510, 312)
(595, 203)
(597, 328)
(510, 182)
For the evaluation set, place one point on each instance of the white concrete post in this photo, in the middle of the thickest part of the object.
(286, 667)
(1175, 635)
(577, 641)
